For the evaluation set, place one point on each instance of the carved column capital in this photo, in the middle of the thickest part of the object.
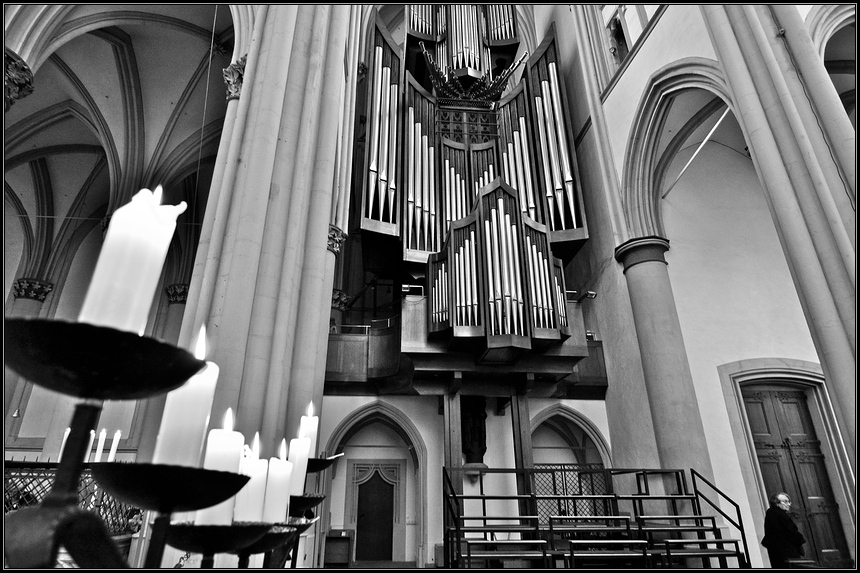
(642, 250)
(32, 288)
(234, 75)
(336, 237)
(18, 79)
(339, 300)
(176, 293)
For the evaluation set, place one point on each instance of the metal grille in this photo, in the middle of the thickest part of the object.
(27, 484)
(571, 480)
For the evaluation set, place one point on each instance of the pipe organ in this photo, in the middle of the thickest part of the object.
(474, 175)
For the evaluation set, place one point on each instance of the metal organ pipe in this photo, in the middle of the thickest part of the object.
(410, 178)
(544, 155)
(374, 132)
(491, 283)
(431, 172)
(392, 160)
(562, 141)
(528, 170)
(384, 141)
(553, 150)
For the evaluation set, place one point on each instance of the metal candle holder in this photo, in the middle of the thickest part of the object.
(187, 489)
(212, 539)
(94, 363)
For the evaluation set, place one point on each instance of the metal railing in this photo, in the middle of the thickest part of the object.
(26, 484)
(737, 522)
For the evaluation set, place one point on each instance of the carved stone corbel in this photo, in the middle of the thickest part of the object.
(234, 75)
(18, 79)
(176, 293)
(33, 289)
(336, 238)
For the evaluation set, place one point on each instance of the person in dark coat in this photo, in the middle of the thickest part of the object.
(781, 537)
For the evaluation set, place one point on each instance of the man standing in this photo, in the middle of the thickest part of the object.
(781, 537)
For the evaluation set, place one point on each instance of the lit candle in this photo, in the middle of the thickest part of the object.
(90, 445)
(276, 508)
(186, 415)
(101, 445)
(123, 286)
(249, 500)
(114, 445)
(299, 453)
(223, 453)
(63, 443)
(308, 428)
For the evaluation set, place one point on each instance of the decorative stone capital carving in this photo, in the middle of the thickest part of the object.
(234, 74)
(339, 300)
(176, 293)
(18, 79)
(32, 288)
(336, 237)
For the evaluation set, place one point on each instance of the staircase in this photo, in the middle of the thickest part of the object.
(588, 516)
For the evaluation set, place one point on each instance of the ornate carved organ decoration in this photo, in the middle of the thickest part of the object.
(475, 175)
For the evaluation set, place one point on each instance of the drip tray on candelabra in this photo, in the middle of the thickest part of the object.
(96, 362)
(165, 488)
(276, 536)
(299, 504)
(319, 464)
(212, 539)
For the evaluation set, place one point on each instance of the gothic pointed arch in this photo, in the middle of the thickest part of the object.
(644, 163)
(399, 422)
(824, 20)
(579, 419)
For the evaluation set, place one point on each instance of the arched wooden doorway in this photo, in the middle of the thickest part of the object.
(791, 461)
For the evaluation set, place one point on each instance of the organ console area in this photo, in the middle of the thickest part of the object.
(469, 166)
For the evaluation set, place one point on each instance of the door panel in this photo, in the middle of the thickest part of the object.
(790, 458)
(375, 523)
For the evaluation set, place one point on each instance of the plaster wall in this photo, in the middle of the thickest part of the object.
(732, 288)
(679, 33)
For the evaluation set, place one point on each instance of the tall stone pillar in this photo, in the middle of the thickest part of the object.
(785, 111)
(177, 295)
(28, 296)
(263, 276)
(678, 427)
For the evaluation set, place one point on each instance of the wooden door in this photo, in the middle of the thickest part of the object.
(791, 461)
(375, 522)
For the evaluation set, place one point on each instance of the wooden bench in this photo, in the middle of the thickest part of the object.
(633, 552)
(703, 549)
(487, 550)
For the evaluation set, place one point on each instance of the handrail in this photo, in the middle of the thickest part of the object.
(449, 513)
(738, 524)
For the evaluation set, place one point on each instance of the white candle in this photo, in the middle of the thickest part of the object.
(299, 453)
(90, 445)
(308, 428)
(63, 443)
(249, 500)
(276, 508)
(186, 415)
(101, 445)
(123, 286)
(114, 445)
(223, 453)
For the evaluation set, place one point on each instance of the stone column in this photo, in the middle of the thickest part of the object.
(810, 198)
(176, 294)
(678, 427)
(28, 297)
(263, 278)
